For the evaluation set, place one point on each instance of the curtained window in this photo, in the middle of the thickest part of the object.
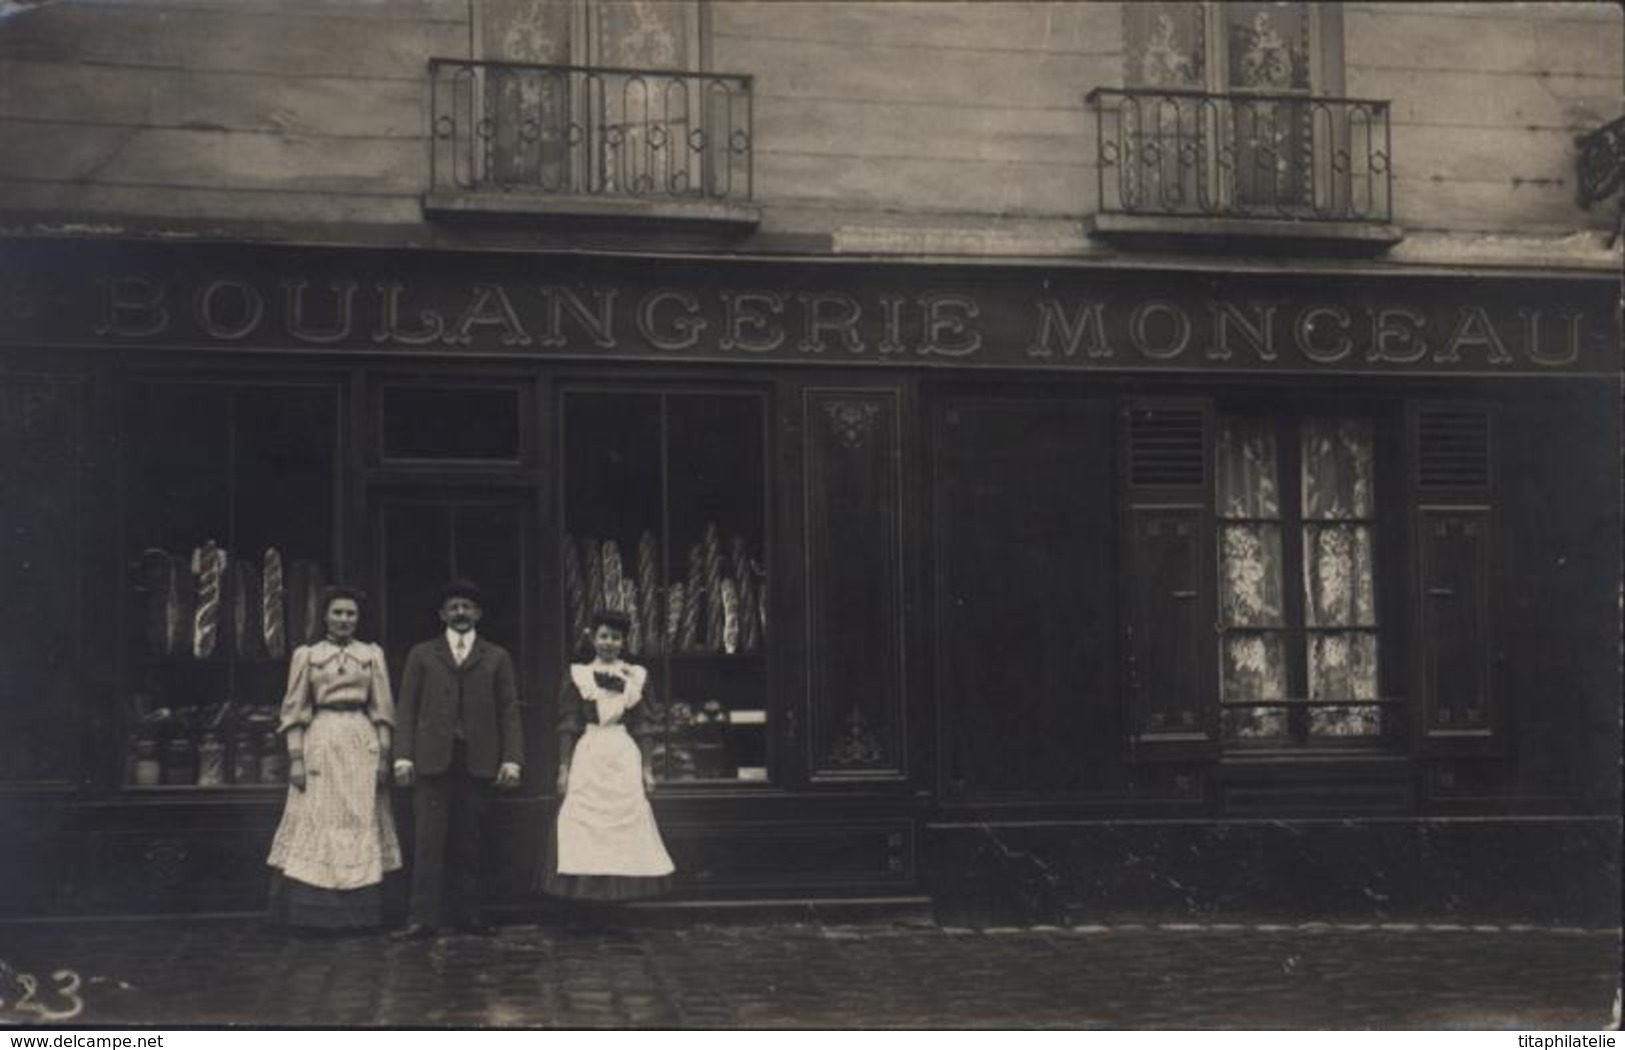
(1298, 655)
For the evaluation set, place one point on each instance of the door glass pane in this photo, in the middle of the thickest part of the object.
(1338, 586)
(1247, 468)
(1267, 46)
(1250, 560)
(1338, 457)
(1343, 666)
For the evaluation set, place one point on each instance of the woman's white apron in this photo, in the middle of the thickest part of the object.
(605, 825)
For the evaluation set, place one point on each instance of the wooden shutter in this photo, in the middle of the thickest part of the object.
(1168, 582)
(1453, 475)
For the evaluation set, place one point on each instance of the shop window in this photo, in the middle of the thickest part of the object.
(39, 518)
(665, 519)
(1297, 541)
(229, 495)
(442, 422)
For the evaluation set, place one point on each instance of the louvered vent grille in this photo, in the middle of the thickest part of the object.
(1168, 446)
(1453, 448)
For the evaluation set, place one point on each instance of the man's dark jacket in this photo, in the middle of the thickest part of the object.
(433, 688)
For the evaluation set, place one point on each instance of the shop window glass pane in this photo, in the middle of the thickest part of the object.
(451, 423)
(229, 515)
(1251, 564)
(664, 520)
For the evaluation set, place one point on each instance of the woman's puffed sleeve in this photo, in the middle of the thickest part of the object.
(570, 704)
(298, 706)
(380, 701)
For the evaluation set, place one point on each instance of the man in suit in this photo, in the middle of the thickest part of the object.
(457, 732)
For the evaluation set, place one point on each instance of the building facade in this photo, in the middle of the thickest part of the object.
(1061, 460)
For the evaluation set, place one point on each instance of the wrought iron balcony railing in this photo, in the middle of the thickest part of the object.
(595, 131)
(1601, 164)
(1198, 154)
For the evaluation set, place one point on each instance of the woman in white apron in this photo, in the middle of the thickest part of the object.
(606, 846)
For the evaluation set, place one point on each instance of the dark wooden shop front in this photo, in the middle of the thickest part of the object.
(1044, 595)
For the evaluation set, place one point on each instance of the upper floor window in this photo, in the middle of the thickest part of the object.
(1234, 110)
(607, 99)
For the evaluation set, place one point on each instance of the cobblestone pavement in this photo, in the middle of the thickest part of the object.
(818, 976)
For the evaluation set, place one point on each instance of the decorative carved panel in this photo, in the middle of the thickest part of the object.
(854, 582)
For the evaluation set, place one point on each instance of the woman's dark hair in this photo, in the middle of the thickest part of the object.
(334, 592)
(614, 618)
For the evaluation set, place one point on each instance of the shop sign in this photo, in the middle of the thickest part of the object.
(818, 314)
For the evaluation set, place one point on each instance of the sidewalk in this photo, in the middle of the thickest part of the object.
(1171, 976)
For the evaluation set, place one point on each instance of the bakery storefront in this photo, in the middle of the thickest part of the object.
(1032, 592)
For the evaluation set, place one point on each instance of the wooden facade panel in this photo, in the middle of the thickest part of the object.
(1488, 100)
(1474, 205)
(855, 583)
(120, 202)
(174, 98)
(908, 184)
(943, 132)
(792, 853)
(285, 47)
(1510, 38)
(1069, 28)
(1483, 154)
(39, 518)
(798, 69)
(212, 159)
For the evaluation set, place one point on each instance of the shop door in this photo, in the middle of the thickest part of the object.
(422, 539)
(1026, 610)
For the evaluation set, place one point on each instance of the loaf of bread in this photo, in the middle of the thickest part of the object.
(305, 583)
(209, 571)
(730, 616)
(688, 638)
(575, 588)
(168, 581)
(247, 610)
(648, 610)
(273, 607)
(614, 593)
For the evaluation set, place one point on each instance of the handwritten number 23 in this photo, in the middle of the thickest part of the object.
(67, 987)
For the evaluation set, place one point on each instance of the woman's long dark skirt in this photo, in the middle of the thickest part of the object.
(299, 905)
